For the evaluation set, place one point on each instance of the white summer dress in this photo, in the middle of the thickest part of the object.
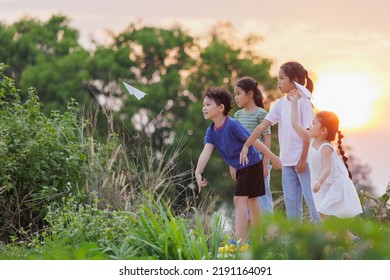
(337, 195)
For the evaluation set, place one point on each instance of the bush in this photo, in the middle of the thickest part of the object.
(41, 159)
(151, 233)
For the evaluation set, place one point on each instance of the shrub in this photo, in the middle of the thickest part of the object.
(151, 233)
(41, 159)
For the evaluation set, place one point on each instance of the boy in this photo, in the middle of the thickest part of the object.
(228, 136)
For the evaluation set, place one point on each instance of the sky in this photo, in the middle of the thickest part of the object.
(344, 44)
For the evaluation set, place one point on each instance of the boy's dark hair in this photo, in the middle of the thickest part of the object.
(220, 96)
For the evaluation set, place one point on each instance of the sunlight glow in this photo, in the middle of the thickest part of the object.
(352, 96)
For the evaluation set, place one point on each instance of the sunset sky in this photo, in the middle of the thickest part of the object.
(344, 44)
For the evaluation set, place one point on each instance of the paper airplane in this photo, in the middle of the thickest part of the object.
(133, 91)
(303, 91)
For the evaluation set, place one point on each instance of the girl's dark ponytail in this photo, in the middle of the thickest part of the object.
(342, 152)
(296, 72)
(249, 84)
(309, 84)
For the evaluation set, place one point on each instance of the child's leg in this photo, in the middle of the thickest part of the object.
(241, 220)
(256, 215)
(266, 201)
(304, 180)
(292, 193)
(347, 234)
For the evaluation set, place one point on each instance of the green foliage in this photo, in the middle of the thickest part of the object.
(48, 57)
(160, 234)
(41, 159)
(58, 80)
(79, 231)
(377, 208)
(28, 41)
(291, 240)
(151, 233)
(74, 231)
(54, 249)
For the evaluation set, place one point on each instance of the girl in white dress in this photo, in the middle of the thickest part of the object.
(334, 191)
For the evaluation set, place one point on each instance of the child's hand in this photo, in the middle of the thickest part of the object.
(316, 187)
(244, 156)
(276, 162)
(202, 182)
(265, 169)
(293, 95)
(301, 166)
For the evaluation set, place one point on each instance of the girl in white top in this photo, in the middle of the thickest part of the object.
(334, 191)
(293, 149)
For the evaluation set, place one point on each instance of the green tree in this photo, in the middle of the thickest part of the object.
(48, 57)
(151, 59)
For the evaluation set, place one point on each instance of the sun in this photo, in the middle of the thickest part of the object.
(352, 96)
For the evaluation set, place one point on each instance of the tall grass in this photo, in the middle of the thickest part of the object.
(121, 170)
(153, 232)
(163, 235)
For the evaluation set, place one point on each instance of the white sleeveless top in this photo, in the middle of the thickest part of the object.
(337, 195)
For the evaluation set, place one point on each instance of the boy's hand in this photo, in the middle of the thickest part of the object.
(202, 182)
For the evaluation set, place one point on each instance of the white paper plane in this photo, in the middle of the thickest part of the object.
(303, 91)
(133, 91)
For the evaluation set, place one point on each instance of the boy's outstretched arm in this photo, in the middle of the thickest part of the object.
(202, 162)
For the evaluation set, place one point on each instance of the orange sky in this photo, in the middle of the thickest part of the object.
(332, 39)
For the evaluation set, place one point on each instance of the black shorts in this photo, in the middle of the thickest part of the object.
(250, 181)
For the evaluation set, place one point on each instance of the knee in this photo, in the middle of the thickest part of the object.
(239, 201)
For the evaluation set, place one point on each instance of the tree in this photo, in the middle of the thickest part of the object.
(48, 57)
(151, 59)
